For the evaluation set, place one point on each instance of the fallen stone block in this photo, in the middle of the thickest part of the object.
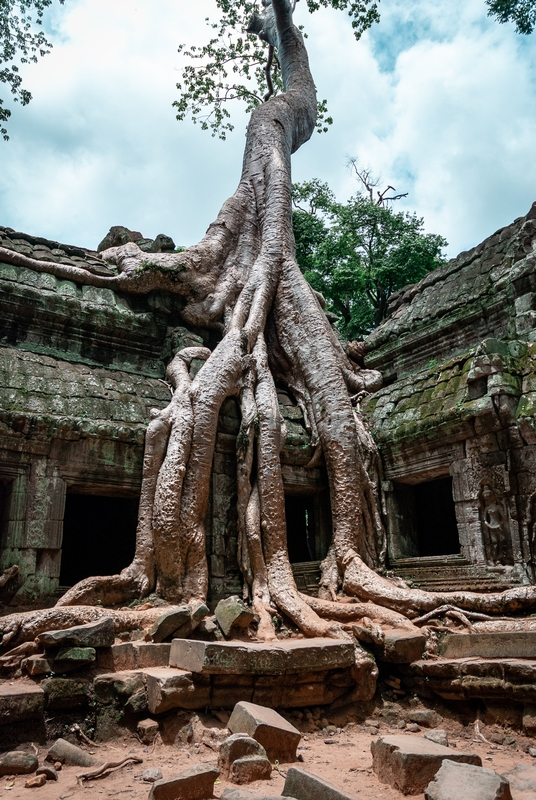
(304, 785)
(233, 613)
(401, 647)
(147, 730)
(261, 658)
(168, 623)
(522, 781)
(237, 746)
(118, 685)
(151, 775)
(196, 783)
(38, 665)
(93, 634)
(169, 688)
(437, 735)
(249, 769)
(50, 773)
(425, 717)
(279, 738)
(409, 763)
(18, 763)
(67, 753)
(19, 702)
(245, 794)
(454, 781)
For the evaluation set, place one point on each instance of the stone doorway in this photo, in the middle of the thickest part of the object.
(99, 536)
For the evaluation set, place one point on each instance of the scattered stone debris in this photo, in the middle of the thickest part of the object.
(196, 783)
(305, 786)
(50, 773)
(93, 634)
(233, 613)
(147, 730)
(67, 753)
(151, 775)
(437, 735)
(18, 762)
(237, 746)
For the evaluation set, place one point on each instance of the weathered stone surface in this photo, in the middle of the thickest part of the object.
(38, 665)
(245, 794)
(401, 647)
(18, 763)
(67, 753)
(94, 634)
(147, 730)
(454, 781)
(409, 763)
(74, 657)
(437, 735)
(261, 658)
(118, 685)
(250, 768)
(196, 783)
(151, 775)
(63, 693)
(529, 719)
(35, 782)
(134, 655)
(233, 613)
(304, 785)
(425, 717)
(168, 623)
(237, 746)
(279, 738)
(50, 772)
(522, 781)
(19, 702)
(517, 644)
(169, 688)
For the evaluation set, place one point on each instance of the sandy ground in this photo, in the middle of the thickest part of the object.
(346, 762)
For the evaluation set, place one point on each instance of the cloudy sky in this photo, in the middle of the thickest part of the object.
(437, 99)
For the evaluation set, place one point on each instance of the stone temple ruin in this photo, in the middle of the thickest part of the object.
(81, 368)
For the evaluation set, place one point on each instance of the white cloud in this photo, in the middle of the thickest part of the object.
(438, 98)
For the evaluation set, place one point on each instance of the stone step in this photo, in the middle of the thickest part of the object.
(133, 655)
(20, 701)
(261, 658)
(515, 644)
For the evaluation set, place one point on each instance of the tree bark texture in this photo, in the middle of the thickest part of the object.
(243, 280)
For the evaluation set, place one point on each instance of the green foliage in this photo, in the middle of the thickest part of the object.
(22, 40)
(522, 12)
(358, 253)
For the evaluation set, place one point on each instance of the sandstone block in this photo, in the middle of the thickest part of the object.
(401, 647)
(529, 719)
(261, 658)
(196, 783)
(304, 785)
(279, 738)
(245, 794)
(93, 634)
(19, 702)
(63, 693)
(50, 773)
(133, 655)
(233, 613)
(67, 753)
(168, 623)
(409, 763)
(437, 735)
(169, 688)
(38, 665)
(18, 763)
(70, 658)
(118, 685)
(426, 718)
(522, 781)
(147, 730)
(151, 775)
(250, 768)
(237, 746)
(35, 782)
(515, 644)
(454, 780)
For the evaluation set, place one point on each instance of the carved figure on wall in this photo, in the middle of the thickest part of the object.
(495, 527)
(531, 528)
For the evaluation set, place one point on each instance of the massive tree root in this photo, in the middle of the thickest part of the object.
(243, 280)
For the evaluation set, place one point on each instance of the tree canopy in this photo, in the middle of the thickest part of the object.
(236, 63)
(359, 252)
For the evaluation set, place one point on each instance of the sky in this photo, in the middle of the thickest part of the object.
(438, 100)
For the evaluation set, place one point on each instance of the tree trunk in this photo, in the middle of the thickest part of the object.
(243, 279)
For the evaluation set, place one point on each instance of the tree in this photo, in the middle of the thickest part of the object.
(243, 280)
(356, 254)
(521, 12)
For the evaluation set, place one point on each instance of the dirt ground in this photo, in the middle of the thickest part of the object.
(341, 756)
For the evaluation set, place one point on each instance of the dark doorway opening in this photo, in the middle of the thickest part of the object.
(99, 536)
(301, 528)
(5, 501)
(435, 518)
